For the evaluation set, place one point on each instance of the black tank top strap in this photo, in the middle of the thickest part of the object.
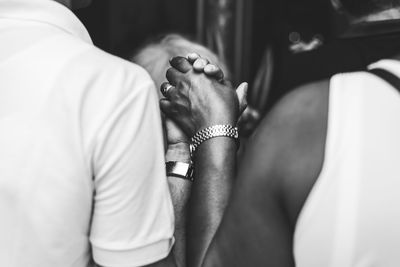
(387, 76)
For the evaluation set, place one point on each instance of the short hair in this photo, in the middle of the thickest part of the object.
(360, 8)
(154, 56)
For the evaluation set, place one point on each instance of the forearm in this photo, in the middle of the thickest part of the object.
(180, 191)
(195, 102)
(214, 172)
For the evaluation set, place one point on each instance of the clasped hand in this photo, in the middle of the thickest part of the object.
(196, 96)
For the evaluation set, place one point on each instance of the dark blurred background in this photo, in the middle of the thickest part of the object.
(120, 26)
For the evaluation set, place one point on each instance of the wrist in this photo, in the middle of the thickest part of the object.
(224, 130)
(220, 115)
(216, 121)
(178, 152)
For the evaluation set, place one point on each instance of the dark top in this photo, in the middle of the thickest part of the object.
(362, 45)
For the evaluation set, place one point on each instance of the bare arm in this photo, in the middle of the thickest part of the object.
(281, 163)
(180, 192)
(208, 200)
(197, 102)
(215, 172)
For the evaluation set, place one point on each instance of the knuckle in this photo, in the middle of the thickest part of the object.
(181, 84)
(177, 61)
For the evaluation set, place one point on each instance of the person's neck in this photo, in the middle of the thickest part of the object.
(388, 14)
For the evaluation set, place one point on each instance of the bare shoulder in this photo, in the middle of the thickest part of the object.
(286, 152)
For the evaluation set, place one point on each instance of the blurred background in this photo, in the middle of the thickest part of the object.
(244, 33)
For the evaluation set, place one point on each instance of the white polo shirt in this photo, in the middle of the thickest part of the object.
(81, 152)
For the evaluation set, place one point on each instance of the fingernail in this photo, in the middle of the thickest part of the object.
(192, 55)
(197, 64)
(210, 68)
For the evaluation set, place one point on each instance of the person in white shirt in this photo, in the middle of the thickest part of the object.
(82, 169)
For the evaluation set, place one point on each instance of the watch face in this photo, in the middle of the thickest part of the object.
(179, 169)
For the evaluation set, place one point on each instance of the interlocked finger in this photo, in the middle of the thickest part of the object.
(214, 71)
(181, 64)
(174, 76)
(192, 57)
(200, 64)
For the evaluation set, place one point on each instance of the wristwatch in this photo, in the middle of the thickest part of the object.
(180, 170)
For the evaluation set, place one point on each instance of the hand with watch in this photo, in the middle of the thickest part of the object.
(206, 108)
(178, 160)
(215, 113)
(179, 164)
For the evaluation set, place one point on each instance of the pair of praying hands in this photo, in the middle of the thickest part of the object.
(197, 96)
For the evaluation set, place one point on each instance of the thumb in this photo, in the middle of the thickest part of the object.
(241, 92)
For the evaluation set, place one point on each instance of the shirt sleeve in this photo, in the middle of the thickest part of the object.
(132, 223)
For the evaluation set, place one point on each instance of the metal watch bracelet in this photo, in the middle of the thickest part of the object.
(222, 130)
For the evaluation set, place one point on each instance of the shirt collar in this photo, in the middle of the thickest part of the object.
(373, 28)
(45, 11)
